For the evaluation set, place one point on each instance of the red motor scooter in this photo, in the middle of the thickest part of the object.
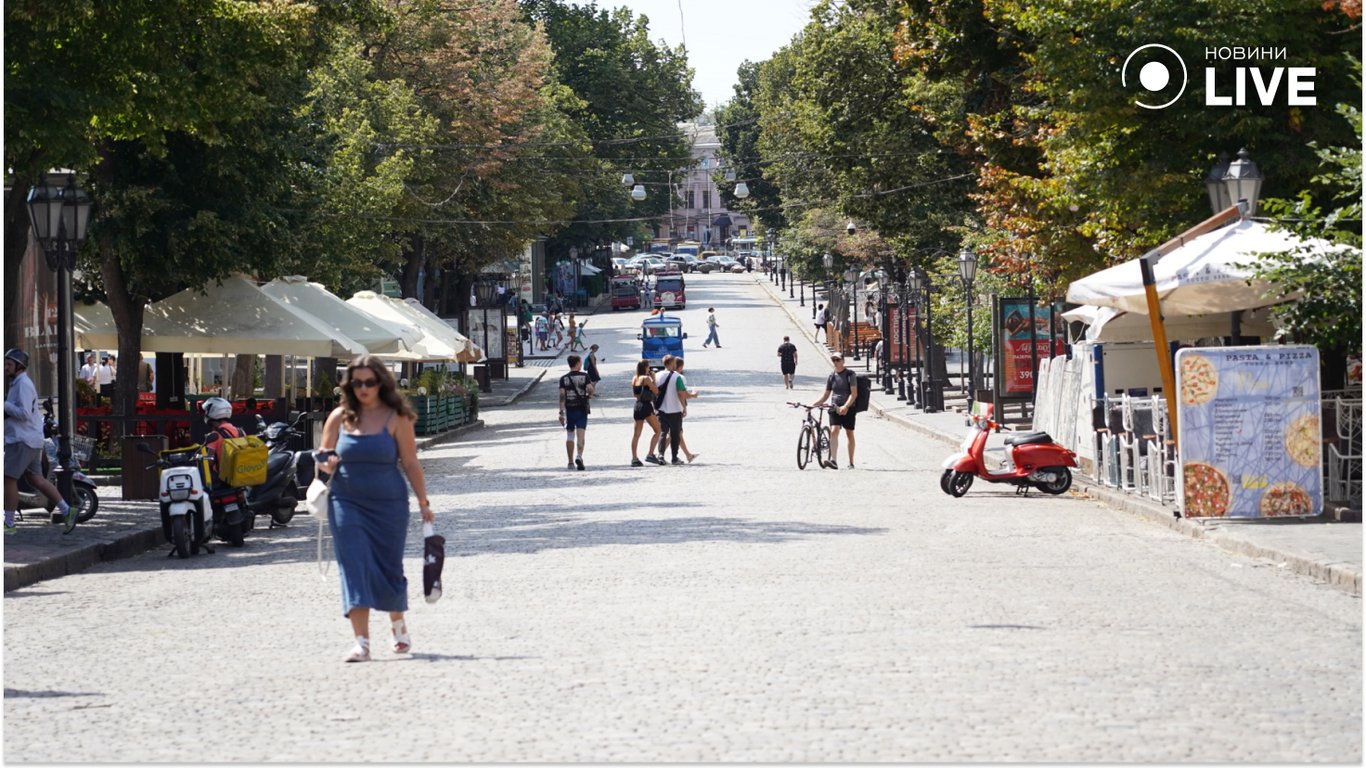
(1032, 460)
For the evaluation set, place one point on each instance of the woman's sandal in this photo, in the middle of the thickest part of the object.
(361, 651)
(402, 643)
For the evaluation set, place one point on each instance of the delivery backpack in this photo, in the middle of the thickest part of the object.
(865, 389)
(244, 461)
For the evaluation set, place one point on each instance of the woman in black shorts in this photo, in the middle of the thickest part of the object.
(643, 387)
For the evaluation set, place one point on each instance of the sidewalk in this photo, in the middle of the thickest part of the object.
(1320, 547)
(121, 529)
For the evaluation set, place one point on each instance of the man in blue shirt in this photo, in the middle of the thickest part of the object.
(24, 443)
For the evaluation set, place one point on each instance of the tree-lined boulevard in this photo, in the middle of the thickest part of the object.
(736, 609)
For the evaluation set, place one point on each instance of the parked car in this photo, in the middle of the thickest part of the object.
(679, 262)
(706, 267)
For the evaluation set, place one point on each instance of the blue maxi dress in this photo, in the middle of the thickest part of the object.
(368, 513)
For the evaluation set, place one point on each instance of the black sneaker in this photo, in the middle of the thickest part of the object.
(678, 462)
(578, 463)
(637, 463)
(570, 465)
(851, 466)
(831, 465)
(653, 459)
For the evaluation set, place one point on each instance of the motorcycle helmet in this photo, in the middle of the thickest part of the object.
(19, 356)
(217, 409)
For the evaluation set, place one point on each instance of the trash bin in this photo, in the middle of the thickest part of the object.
(139, 482)
(481, 375)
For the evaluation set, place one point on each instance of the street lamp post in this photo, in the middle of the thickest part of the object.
(967, 271)
(853, 300)
(801, 293)
(827, 261)
(888, 292)
(59, 212)
(917, 298)
(904, 321)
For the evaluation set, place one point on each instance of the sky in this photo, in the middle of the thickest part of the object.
(721, 34)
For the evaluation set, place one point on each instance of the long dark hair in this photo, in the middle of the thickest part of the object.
(388, 390)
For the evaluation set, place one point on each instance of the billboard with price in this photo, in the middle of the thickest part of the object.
(1022, 333)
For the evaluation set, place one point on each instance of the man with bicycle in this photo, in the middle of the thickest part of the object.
(843, 385)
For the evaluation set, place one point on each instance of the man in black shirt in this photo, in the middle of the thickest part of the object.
(843, 384)
(576, 389)
(787, 358)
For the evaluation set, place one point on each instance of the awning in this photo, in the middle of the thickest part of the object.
(588, 269)
(722, 221)
(1107, 324)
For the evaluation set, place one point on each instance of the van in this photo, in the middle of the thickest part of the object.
(625, 293)
(669, 291)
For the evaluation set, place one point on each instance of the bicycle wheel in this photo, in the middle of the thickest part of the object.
(804, 447)
(823, 447)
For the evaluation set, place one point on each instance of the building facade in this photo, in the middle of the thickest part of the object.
(700, 215)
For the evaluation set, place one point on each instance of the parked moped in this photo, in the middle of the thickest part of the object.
(1031, 460)
(192, 510)
(86, 500)
(280, 494)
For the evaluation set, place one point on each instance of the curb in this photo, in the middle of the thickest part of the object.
(518, 395)
(77, 560)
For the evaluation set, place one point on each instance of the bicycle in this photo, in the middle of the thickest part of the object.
(814, 440)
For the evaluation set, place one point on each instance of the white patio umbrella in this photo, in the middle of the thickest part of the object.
(378, 336)
(472, 352)
(234, 317)
(1107, 324)
(439, 340)
(1204, 275)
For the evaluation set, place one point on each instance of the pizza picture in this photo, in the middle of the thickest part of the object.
(1208, 492)
(1199, 380)
(1303, 441)
(1286, 499)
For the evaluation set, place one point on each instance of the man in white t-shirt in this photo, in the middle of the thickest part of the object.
(673, 393)
(87, 372)
(104, 379)
(821, 319)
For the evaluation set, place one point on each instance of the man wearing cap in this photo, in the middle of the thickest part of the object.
(843, 384)
(24, 443)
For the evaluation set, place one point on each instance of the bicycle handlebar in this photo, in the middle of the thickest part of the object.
(810, 407)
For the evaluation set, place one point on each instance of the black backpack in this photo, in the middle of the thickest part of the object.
(865, 391)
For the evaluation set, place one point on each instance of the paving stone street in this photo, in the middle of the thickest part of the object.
(735, 609)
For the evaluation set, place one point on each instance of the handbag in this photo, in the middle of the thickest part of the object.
(433, 557)
(315, 499)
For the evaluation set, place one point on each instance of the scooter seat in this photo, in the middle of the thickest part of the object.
(1029, 438)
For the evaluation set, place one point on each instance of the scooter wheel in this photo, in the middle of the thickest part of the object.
(1062, 480)
(87, 503)
(959, 484)
(180, 535)
(944, 481)
(285, 512)
(232, 533)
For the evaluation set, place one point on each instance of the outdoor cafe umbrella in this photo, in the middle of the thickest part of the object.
(377, 335)
(1207, 274)
(1107, 324)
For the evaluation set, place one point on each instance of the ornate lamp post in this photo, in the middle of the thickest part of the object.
(59, 212)
(1244, 182)
(827, 261)
(916, 298)
(889, 297)
(905, 322)
(967, 271)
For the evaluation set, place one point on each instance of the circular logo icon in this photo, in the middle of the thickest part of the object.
(1156, 65)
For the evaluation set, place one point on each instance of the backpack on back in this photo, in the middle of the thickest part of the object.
(865, 391)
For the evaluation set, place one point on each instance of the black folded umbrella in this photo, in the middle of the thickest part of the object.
(434, 556)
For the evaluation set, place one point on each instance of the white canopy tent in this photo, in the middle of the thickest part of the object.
(1206, 274)
(234, 317)
(473, 353)
(439, 340)
(378, 336)
(1107, 324)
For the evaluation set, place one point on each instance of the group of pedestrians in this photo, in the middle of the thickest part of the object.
(550, 330)
(661, 403)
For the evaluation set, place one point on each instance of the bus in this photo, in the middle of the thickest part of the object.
(689, 247)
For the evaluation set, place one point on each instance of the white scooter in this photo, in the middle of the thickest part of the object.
(186, 508)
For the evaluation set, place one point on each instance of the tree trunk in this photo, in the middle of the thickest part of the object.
(274, 379)
(243, 377)
(127, 311)
(414, 262)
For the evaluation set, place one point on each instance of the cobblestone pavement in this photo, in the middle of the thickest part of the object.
(736, 609)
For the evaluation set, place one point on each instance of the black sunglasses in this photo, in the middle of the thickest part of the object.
(365, 383)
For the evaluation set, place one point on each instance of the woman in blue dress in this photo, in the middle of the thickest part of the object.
(366, 440)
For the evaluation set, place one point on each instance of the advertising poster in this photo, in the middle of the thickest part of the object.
(1249, 433)
(1017, 367)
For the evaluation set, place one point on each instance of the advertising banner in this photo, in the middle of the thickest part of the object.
(902, 334)
(1249, 433)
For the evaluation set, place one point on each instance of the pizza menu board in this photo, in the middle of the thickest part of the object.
(1250, 438)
